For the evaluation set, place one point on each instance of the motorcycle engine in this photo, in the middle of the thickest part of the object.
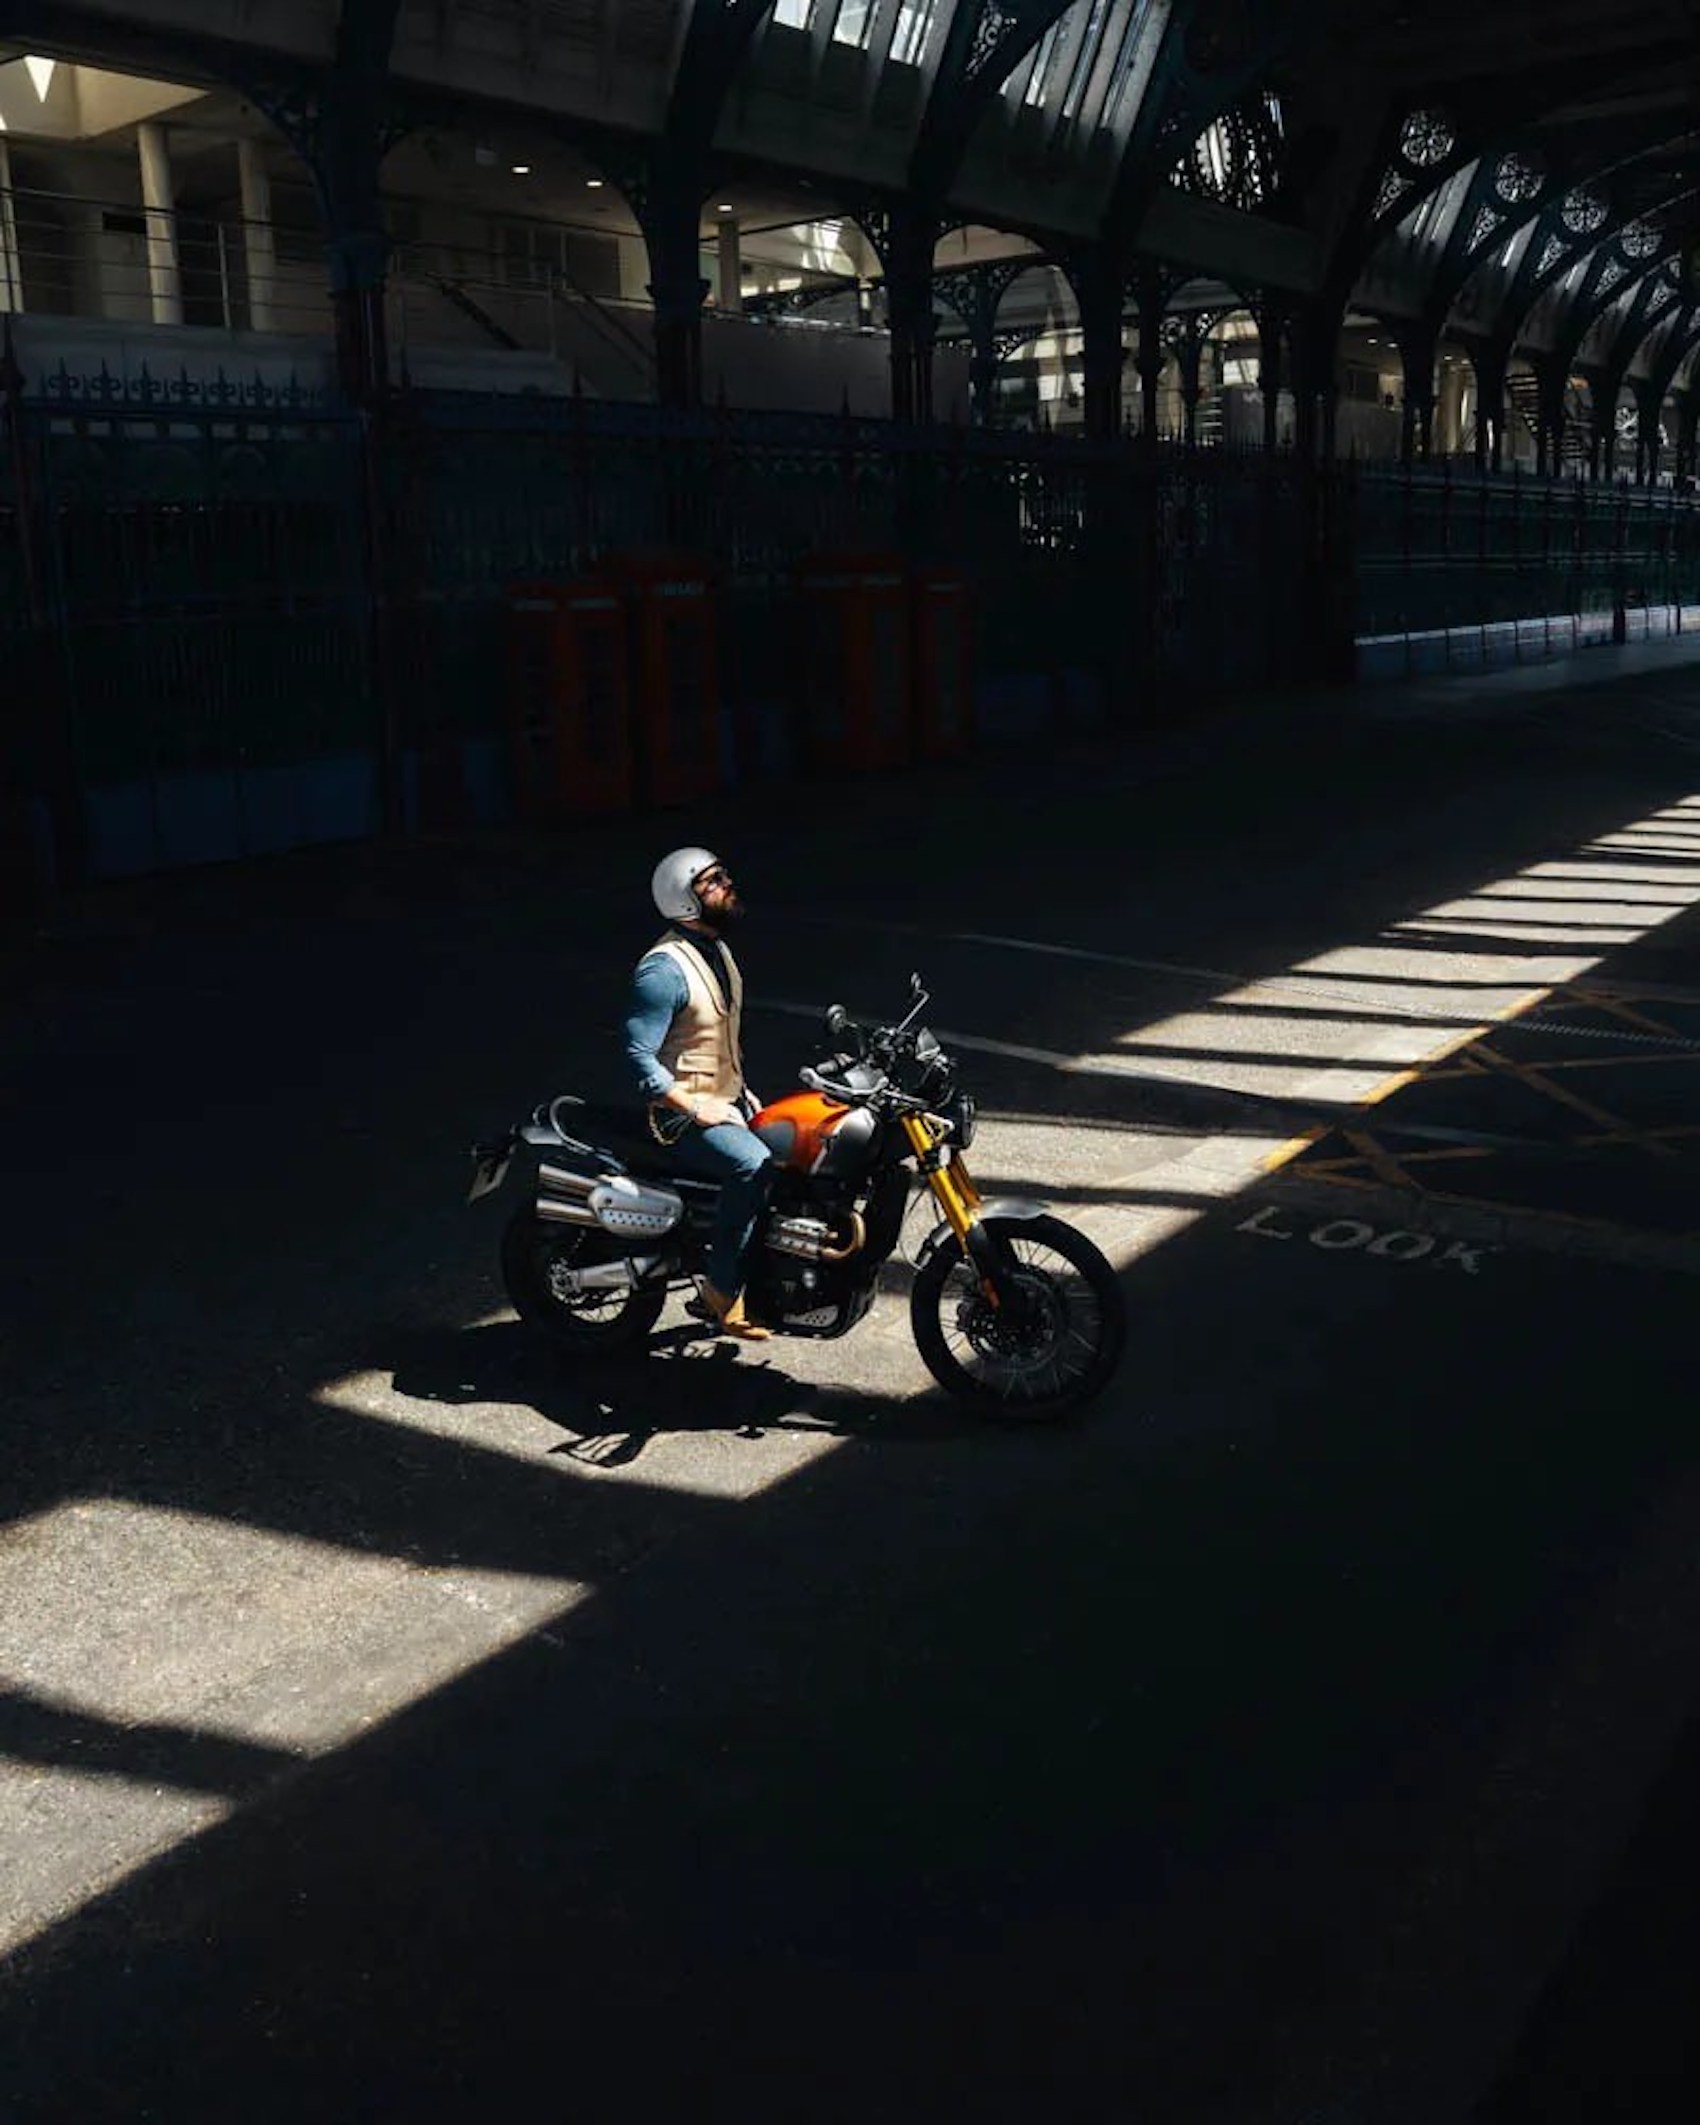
(796, 1281)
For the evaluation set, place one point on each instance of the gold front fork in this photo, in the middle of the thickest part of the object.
(953, 1189)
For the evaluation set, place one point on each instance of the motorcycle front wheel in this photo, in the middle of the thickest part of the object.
(1062, 1351)
(593, 1323)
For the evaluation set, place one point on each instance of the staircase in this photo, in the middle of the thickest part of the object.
(1523, 399)
(469, 306)
(611, 358)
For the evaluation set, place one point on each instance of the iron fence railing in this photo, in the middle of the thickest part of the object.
(212, 585)
(1451, 551)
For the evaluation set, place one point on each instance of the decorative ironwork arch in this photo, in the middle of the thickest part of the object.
(1214, 57)
(1606, 281)
(1236, 159)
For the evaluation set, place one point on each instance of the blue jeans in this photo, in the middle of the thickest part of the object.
(738, 1159)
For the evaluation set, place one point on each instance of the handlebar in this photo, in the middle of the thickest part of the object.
(884, 1096)
(833, 1089)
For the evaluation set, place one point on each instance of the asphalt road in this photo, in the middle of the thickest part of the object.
(394, 1721)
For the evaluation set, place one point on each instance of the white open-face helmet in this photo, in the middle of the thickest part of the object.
(674, 883)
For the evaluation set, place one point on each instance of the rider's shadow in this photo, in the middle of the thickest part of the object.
(685, 1379)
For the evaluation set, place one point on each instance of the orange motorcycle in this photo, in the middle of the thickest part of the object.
(1011, 1307)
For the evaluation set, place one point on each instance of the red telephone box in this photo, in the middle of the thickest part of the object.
(854, 658)
(943, 637)
(675, 663)
(571, 721)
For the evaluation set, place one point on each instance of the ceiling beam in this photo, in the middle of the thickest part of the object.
(985, 42)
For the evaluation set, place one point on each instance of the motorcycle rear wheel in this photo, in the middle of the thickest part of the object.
(591, 1323)
(1059, 1361)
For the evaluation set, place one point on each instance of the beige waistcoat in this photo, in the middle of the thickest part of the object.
(704, 1047)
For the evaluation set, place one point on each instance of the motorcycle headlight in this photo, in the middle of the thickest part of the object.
(962, 1118)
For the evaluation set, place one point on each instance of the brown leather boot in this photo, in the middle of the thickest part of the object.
(729, 1316)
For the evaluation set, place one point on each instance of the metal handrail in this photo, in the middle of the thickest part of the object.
(121, 261)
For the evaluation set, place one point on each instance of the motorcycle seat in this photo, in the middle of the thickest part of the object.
(622, 1131)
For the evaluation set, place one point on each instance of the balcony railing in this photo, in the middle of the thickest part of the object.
(66, 255)
(63, 255)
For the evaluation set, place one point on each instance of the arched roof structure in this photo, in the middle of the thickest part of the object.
(1463, 166)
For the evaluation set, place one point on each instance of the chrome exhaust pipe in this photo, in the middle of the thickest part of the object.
(552, 1212)
(564, 1182)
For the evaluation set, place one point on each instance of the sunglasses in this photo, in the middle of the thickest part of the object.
(718, 876)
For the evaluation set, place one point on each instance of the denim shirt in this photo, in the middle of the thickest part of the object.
(659, 994)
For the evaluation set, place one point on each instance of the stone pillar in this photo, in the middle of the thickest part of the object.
(259, 247)
(729, 279)
(1450, 438)
(165, 283)
(11, 264)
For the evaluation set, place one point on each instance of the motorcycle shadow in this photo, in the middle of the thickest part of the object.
(684, 1379)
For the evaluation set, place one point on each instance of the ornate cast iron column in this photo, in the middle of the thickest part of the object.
(1186, 337)
(905, 237)
(1151, 288)
(1416, 423)
(1687, 419)
(1099, 294)
(669, 210)
(1271, 317)
(341, 123)
(1549, 427)
(976, 293)
(1649, 436)
(1492, 362)
(1602, 427)
(1316, 391)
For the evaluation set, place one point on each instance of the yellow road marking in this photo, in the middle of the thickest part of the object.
(1296, 1146)
(1380, 1161)
(1529, 1074)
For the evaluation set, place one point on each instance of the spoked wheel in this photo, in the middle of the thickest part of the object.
(1061, 1350)
(535, 1256)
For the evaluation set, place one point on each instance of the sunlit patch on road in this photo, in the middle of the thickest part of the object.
(212, 1631)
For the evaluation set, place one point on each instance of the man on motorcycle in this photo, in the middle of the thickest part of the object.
(683, 1041)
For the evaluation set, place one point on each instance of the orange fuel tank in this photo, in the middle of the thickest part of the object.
(809, 1133)
(796, 1128)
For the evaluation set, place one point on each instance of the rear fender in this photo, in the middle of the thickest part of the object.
(1012, 1206)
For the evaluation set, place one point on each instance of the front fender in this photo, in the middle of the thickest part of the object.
(1017, 1206)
